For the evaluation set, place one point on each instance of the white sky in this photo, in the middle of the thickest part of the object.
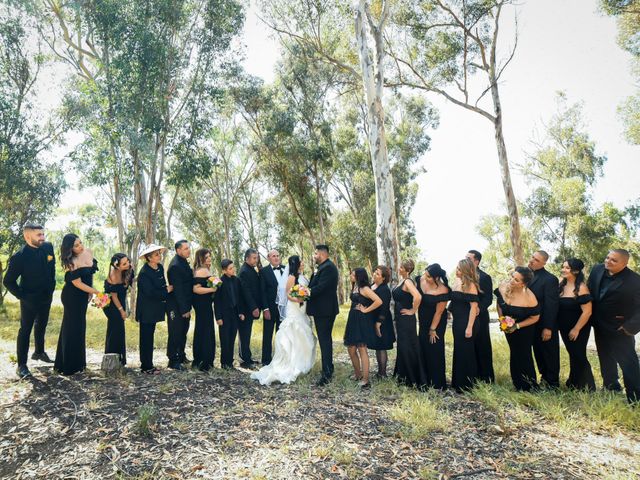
(563, 45)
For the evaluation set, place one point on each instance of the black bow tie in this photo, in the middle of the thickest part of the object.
(279, 267)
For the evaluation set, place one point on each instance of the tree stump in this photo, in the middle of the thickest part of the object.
(111, 363)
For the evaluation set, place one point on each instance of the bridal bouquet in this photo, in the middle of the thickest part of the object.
(214, 282)
(301, 292)
(101, 300)
(507, 324)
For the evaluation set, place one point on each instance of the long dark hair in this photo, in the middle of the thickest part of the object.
(294, 266)
(576, 265)
(127, 275)
(436, 272)
(362, 278)
(66, 250)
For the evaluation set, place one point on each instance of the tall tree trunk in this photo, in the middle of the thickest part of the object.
(372, 77)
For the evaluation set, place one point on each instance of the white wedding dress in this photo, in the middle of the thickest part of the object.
(295, 346)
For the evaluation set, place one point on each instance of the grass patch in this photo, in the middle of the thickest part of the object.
(420, 414)
(145, 422)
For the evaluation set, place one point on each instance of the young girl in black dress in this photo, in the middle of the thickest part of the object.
(432, 318)
(464, 310)
(116, 286)
(79, 265)
(204, 335)
(574, 313)
(515, 300)
(382, 319)
(358, 333)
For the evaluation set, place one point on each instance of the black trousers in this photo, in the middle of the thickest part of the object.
(324, 329)
(580, 373)
(147, 332)
(227, 333)
(616, 348)
(177, 327)
(484, 353)
(547, 355)
(523, 372)
(32, 314)
(244, 337)
(267, 335)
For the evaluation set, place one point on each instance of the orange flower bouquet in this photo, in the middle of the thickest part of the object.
(101, 300)
(507, 324)
(214, 282)
(301, 292)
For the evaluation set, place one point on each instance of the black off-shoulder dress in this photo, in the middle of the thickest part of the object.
(433, 355)
(116, 340)
(359, 329)
(204, 334)
(383, 315)
(580, 373)
(464, 371)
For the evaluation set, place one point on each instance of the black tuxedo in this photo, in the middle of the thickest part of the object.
(269, 283)
(180, 275)
(151, 305)
(616, 304)
(323, 306)
(36, 269)
(252, 299)
(227, 303)
(547, 354)
(482, 340)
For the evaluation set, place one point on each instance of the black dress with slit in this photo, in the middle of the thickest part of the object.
(116, 341)
(580, 373)
(204, 334)
(523, 372)
(464, 370)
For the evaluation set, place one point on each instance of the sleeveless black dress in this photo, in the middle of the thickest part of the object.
(408, 369)
(116, 340)
(464, 371)
(383, 315)
(523, 372)
(580, 373)
(359, 329)
(71, 354)
(433, 357)
(204, 334)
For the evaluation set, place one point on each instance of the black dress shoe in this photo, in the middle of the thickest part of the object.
(23, 371)
(322, 381)
(249, 365)
(177, 366)
(42, 356)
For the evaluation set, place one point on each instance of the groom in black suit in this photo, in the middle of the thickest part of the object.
(616, 320)
(252, 303)
(323, 307)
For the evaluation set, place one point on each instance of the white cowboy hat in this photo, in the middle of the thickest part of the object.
(152, 247)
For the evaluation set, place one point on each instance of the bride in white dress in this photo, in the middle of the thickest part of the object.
(295, 345)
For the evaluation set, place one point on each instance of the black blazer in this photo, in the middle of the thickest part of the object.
(486, 296)
(151, 302)
(251, 286)
(269, 283)
(324, 291)
(545, 287)
(227, 299)
(36, 268)
(619, 306)
(180, 275)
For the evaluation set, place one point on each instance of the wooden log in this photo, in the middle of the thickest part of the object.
(111, 362)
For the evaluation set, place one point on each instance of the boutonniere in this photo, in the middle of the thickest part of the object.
(49, 258)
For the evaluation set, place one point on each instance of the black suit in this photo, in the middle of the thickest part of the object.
(36, 269)
(323, 306)
(180, 275)
(482, 340)
(616, 304)
(270, 294)
(151, 305)
(252, 299)
(547, 354)
(227, 302)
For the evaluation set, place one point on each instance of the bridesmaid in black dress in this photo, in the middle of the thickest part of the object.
(432, 318)
(79, 265)
(574, 313)
(382, 319)
(464, 310)
(409, 369)
(358, 334)
(204, 335)
(116, 285)
(515, 300)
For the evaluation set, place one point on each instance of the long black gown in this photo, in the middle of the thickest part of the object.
(408, 369)
(383, 315)
(523, 372)
(116, 340)
(71, 354)
(465, 367)
(433, 357)
(580, 373)
(359, 329)
(204, 335)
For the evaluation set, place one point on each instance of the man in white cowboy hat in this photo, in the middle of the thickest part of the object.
(180, 276)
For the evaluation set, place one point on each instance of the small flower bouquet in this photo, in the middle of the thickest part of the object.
(507, 324)
(301, 292)
(101, 300)
(214, 282)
